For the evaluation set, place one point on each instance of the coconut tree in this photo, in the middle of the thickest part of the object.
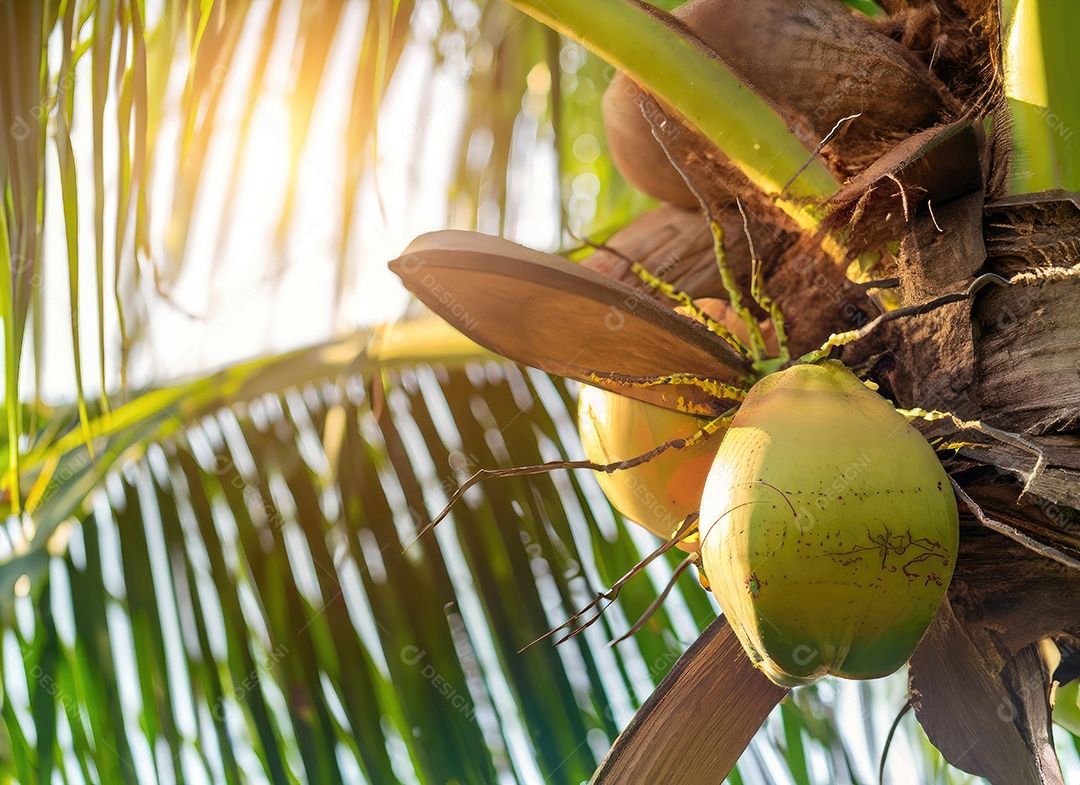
(205, 578)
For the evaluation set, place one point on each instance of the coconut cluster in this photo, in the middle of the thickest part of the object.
(828, 527)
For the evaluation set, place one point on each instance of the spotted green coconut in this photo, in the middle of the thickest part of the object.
(829, 528)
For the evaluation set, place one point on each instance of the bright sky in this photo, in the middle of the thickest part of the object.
(236, 298)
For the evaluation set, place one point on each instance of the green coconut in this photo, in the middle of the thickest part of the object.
(829, 529)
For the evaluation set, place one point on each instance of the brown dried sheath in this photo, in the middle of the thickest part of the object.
(547, 312)
(698, 721)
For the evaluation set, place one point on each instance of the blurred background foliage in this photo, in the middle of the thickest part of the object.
(202, 575)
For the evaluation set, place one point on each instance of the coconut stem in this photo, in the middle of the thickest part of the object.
(689, 526)
(888, 739)
(766, 303)
(677, 295)
(845, 338)
(1013, 533)
(687, 302)
(655, 603)
(707, 430)
(1014, 439)
(757, 342)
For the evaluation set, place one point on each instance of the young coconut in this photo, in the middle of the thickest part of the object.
(829, 529)
(660, 493)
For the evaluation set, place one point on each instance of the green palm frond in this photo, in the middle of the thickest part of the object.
(733, 116)
(236, 603)
(1044, 107)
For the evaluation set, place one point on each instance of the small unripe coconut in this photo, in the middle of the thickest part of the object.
(657, 494)
(829, 528)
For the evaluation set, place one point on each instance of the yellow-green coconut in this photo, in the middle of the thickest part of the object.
(660, 493)
(829, 529)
